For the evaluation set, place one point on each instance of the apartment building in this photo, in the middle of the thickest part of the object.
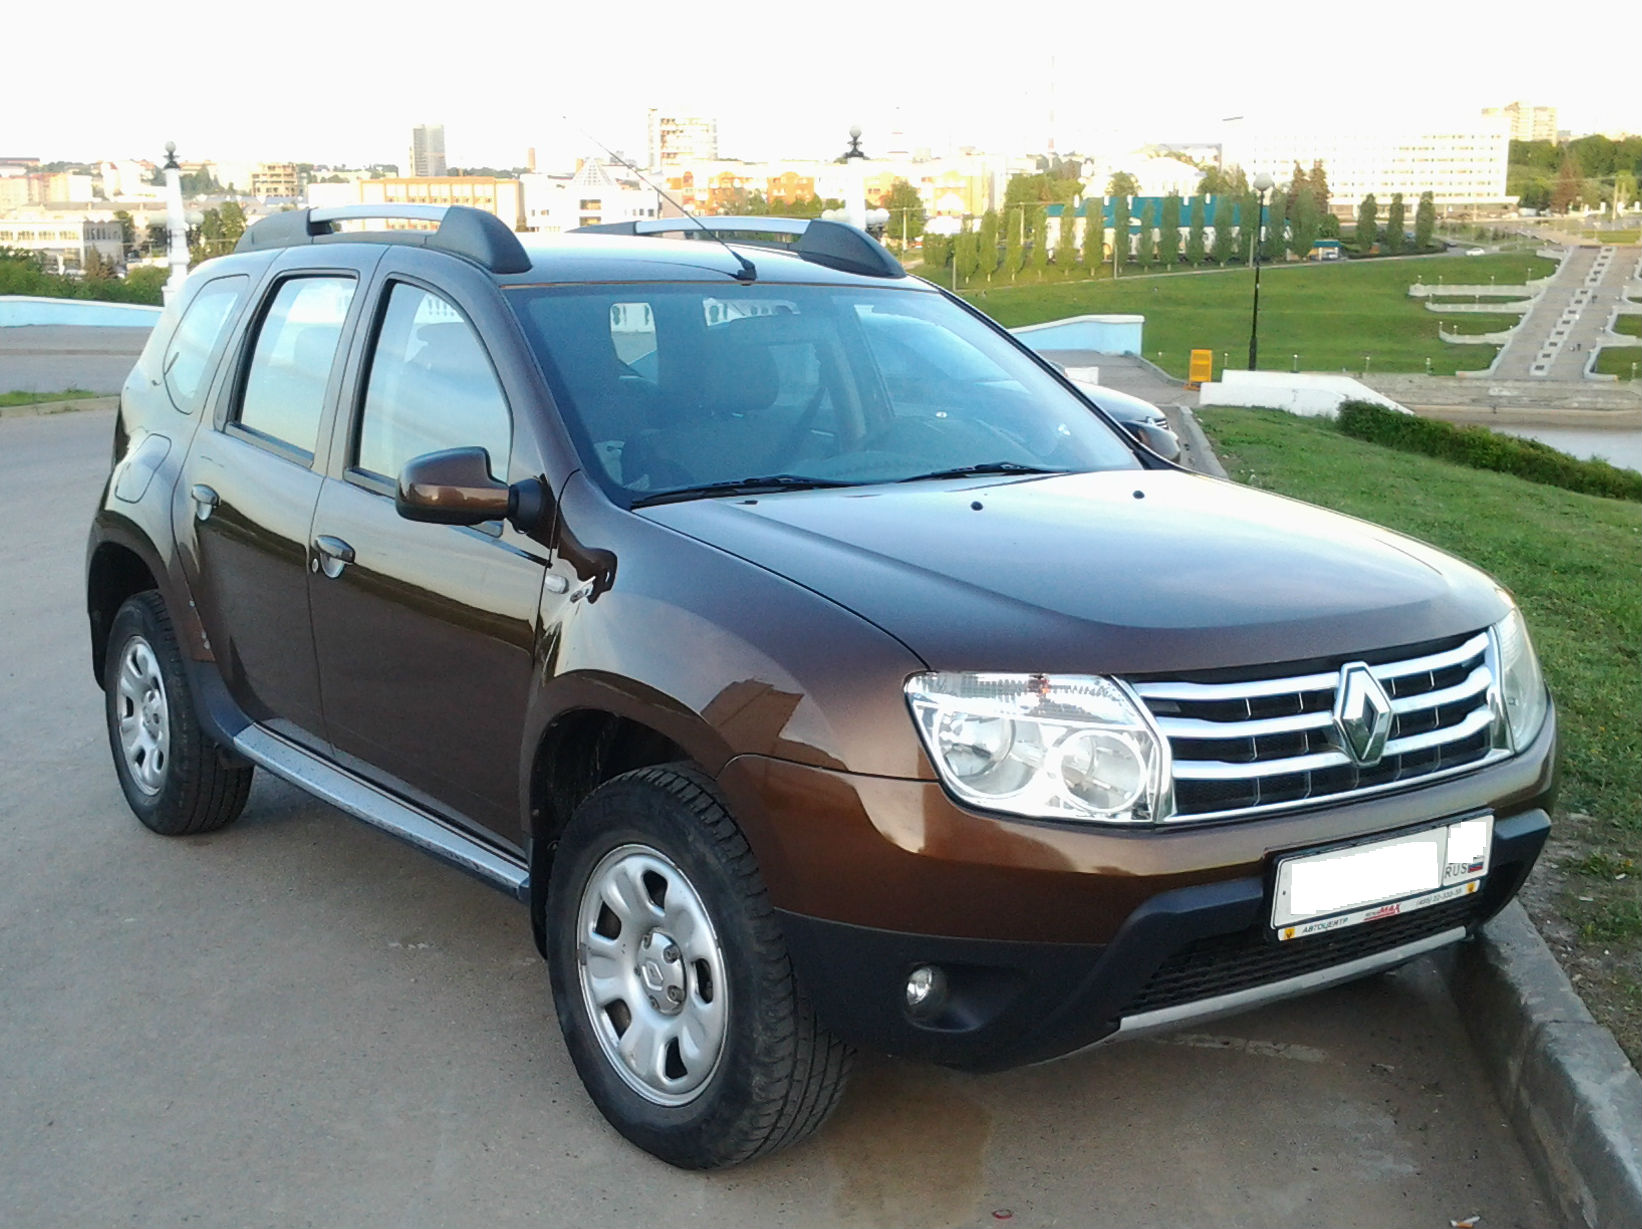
(1528, 122)
(1462, 162)
(427, 151)
(675, 139)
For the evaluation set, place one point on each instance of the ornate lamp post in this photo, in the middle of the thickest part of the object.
(1262, 185)
(855, 204)
(176, 223)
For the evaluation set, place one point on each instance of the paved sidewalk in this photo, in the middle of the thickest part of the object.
(49, 358)
(1569, 320)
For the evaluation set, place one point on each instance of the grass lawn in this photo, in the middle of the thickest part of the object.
(1617, 360)
(1572, 561)
(70, 394)
(1631, 324)
(1331, 315)
(1472, 323)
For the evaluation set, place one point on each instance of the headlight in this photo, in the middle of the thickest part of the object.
(1521, 686)
(1045, 746)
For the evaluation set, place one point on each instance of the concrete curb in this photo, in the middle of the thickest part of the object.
(1197, 444)
(58, 407)
(1567, 1088)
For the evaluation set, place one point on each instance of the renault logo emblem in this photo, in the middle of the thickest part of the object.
(1362, 714)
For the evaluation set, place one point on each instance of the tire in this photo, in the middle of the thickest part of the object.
(176, 779)
(661, 937)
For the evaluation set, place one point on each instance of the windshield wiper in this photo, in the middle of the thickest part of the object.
(983, 467)
(741, 486)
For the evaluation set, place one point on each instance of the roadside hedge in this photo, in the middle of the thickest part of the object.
(1481, 448)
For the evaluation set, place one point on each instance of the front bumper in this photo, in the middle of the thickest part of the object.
(1053, 938)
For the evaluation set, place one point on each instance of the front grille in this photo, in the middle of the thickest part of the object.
(1267, 740)
(1226, 964)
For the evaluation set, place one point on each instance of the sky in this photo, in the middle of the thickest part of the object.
(342, 84)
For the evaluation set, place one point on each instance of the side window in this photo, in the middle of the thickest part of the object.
(196, 340)
(431, 387)
(295, 348)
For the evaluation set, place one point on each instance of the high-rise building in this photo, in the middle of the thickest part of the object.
(681, 138)
(427, 151)
(1528, 122)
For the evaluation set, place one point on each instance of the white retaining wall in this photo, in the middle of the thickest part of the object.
(1310, 394)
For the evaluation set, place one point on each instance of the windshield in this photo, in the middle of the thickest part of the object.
(674, 389)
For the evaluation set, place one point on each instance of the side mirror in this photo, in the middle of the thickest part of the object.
(454, 487)
(1155, 438)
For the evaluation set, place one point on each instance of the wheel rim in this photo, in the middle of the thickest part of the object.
(652, 974)
(144, 716)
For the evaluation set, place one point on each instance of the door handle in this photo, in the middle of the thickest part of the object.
(331, 555)
(205, 500)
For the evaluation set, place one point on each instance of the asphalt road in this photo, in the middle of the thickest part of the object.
(298, 1021)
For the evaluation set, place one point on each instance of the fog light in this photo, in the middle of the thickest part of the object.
(926, 991)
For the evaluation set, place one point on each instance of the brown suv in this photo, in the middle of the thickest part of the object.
(821, 667)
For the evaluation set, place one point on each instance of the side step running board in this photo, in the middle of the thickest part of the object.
(382, 810)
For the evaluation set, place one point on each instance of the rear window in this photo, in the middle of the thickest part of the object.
(675, 386)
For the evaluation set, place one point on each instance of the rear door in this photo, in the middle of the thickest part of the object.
(426, 634)
(246, 498)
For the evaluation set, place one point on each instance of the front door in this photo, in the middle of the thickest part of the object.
(425, 634)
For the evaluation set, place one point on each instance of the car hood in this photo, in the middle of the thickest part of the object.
(1121, 572)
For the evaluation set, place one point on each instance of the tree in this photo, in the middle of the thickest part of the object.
(97, 267)
(1014, 239)
(938, 250)
(1248, 226)
(1216, 181)
(1224, 245)
(128, 230)
(1066, 243)
(233, 220)
(1565, 193)
(1168, 235)
(1394, 225)
(1299, 185)
(1276, 237)
(1146, 248)
(1039, 220)
(1318, 181)
(987, 256)
(1624, 191)
(1120, 233)
(1425, 222)
(1094, 232)
(1194, 237)
(1535, 195)
(1367, 224)
(1303, 227)
(967, 254)
(1122, 184)
(906, 211)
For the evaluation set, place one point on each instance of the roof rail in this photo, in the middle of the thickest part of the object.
(836, 245)
(479, 236)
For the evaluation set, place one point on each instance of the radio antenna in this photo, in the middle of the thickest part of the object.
(746, 273)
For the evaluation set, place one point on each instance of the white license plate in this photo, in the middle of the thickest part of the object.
(1318, 892)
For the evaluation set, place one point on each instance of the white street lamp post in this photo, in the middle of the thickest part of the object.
(176, 223)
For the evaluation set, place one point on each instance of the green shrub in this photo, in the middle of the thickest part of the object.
(24, 277)
(1481, 448)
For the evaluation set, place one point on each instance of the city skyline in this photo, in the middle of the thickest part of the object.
(800, 104)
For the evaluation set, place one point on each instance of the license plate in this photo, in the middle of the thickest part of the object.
(1318, 892)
